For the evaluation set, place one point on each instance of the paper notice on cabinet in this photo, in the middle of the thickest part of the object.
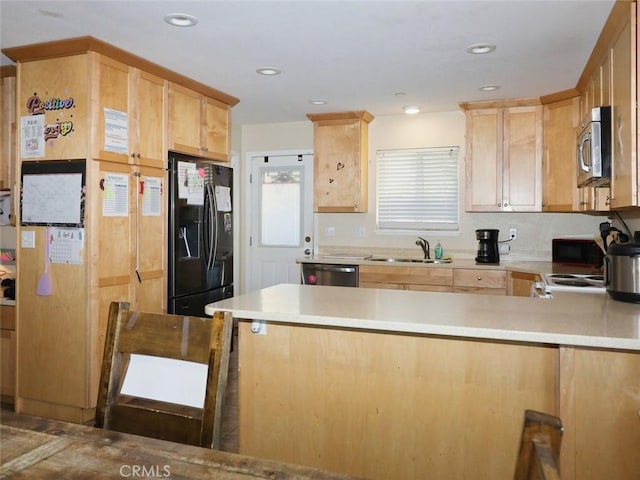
(32, 136)
(151, 206)
(223, 198)
(115, 202)
(66, 245)
(116, 131)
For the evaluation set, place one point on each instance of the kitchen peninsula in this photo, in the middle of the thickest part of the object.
(391, 384)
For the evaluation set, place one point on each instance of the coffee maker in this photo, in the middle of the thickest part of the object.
(487, 246)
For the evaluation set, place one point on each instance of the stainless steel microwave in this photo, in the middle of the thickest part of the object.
(593, 152)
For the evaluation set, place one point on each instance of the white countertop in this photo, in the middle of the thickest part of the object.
(571, 319)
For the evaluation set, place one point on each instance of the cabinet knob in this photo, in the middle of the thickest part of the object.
(500, 204)
(506, 204)
(479, 278)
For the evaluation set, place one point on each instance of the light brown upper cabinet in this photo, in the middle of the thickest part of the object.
(340, 148)
(198, 125)
(610, 78)
(503, 157)
(129, 114)
(559, 176)
(7, 126)
(624, 178)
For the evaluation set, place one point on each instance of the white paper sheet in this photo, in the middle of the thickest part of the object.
(32, 136)
(223, 198)
(116, 131)
(183, 168)
(66, 245)
(52, 198)
(151, 202)
(165, 379)
(115, 202)
(195, 187)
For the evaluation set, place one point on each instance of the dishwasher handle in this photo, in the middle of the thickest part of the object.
(333, 268)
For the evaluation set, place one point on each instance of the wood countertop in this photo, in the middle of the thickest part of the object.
(568, 319)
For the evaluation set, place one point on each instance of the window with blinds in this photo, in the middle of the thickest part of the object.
(417, 189)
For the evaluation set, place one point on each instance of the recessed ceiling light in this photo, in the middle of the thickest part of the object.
(489, 88)
(411, 109)
(268, 71)
(480, 48)
(181, 20)
(318, 102)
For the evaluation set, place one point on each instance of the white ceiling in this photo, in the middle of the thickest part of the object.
(356, 55)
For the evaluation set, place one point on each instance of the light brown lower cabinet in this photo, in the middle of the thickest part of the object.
(406, 278)
(521, 283)
(468, 280)
(389, 406)
(7, 353)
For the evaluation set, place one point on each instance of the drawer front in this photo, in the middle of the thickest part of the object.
(466, 277)
(406, 275)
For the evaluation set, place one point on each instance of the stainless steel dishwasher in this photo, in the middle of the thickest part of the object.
(330, 274)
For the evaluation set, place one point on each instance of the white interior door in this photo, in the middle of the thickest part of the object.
(281, 217)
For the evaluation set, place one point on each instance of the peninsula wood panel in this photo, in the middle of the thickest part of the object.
(606, 410)
(492, 282)
(386, 406)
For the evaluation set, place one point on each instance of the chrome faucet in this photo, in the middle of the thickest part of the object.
(424, 245)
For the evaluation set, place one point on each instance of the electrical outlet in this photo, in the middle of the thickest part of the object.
(513, 233)
(330, 231)
(259, 327)
(361, 231)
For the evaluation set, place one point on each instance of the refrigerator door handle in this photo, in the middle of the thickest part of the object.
(215, 224)
(209, 220)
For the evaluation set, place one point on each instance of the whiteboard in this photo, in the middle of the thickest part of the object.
(53, 193)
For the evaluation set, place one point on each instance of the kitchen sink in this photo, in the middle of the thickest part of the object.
(411, 260)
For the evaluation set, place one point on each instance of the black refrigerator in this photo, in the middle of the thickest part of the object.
(200, 263)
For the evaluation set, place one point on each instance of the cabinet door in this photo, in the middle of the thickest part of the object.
(216, 129)
(149, 114)
(110, 109)
(185, 120)
(7, 131)
(484, 160)
(150, 242)
(339, 175)
(522, 164)
(624, 181)
(559, 182)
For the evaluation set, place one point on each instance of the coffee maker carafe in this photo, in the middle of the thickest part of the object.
(487, 246)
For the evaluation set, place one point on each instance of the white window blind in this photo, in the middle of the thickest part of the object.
(418, 189)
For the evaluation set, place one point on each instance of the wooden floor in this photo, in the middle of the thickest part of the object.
(229, 428)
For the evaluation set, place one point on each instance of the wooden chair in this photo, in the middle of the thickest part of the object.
(539, 447)
(202, 340)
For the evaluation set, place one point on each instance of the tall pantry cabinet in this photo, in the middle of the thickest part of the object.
(112, 118)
